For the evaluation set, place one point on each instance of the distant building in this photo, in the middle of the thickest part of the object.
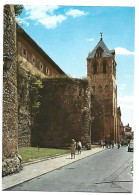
(101, 69)
(126, 130)
(118, 123)
(122, 130)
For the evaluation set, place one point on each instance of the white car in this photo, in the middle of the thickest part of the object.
(130, 147)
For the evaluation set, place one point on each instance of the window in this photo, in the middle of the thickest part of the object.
(104, 67)
(95, 68)
(99, 52)
(33, 59)
(47, 71)
(24, 52)
(41, 67)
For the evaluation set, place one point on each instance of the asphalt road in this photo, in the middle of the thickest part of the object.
(107, 171)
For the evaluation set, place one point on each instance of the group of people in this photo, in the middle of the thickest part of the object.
(75, 146)
(107, 144)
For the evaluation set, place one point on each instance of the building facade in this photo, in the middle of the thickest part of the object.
(101, 69)
(31, 60)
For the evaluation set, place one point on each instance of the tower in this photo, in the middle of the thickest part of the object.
(101, 69)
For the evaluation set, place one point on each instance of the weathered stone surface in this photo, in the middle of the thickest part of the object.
(64, 113)
(10, 101)
(102, 72)
(12, 165)
(24, 104)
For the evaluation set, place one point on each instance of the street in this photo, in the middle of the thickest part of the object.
(107, 171)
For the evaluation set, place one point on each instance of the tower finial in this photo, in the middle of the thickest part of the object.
(101, 35)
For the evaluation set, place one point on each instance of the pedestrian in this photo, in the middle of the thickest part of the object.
(103, 143)
(118, 144)
(79, 146)
(73, 146)
(112, 144)
(106, 144)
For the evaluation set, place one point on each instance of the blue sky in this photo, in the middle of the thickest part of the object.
(68, 33)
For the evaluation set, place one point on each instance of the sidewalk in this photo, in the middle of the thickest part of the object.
(33, 170)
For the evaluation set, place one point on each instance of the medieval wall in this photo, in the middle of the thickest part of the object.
(11, 161)
(24, 108)
(64, 113)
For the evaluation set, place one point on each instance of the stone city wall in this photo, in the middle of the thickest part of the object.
(11, 161)
(64, 113)
(24, 108)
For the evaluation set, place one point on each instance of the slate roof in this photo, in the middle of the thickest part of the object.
(106, 51)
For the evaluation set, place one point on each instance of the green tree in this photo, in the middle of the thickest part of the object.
(18, 9)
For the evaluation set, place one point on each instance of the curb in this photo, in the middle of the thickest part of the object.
(6, 188)
(44, 159)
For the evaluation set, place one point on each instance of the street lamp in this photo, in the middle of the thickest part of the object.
(6, 62)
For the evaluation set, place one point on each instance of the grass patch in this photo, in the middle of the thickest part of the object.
(95, 146)
(30, 154)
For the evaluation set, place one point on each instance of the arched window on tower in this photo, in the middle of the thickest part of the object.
(95, 68)
(99, 52)
(104, 67)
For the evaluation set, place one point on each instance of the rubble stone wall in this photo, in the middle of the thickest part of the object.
(24, 108)
(11, 161)
(64, 114)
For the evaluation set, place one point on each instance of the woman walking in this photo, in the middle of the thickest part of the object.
(79, 146)
(73, 145)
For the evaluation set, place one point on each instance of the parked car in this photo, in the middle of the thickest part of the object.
(130, 147)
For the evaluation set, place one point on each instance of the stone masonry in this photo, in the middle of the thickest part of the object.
(101, 69)
(64, 113)
(11, 161)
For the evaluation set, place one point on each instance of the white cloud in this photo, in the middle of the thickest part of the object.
(45, 15)
(75, 13)
(125, 106)
(122, 86)
(22, 21)
(123, 51)
(126, 99)
(90, 40)
(52, 21)
(126, 102)
(35, 11)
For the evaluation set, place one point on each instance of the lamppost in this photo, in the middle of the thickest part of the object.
(6, 62)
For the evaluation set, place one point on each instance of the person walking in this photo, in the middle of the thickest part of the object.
(73, 146)
(79, 146)
(103, 143)
(112, 144)
(118, 144)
